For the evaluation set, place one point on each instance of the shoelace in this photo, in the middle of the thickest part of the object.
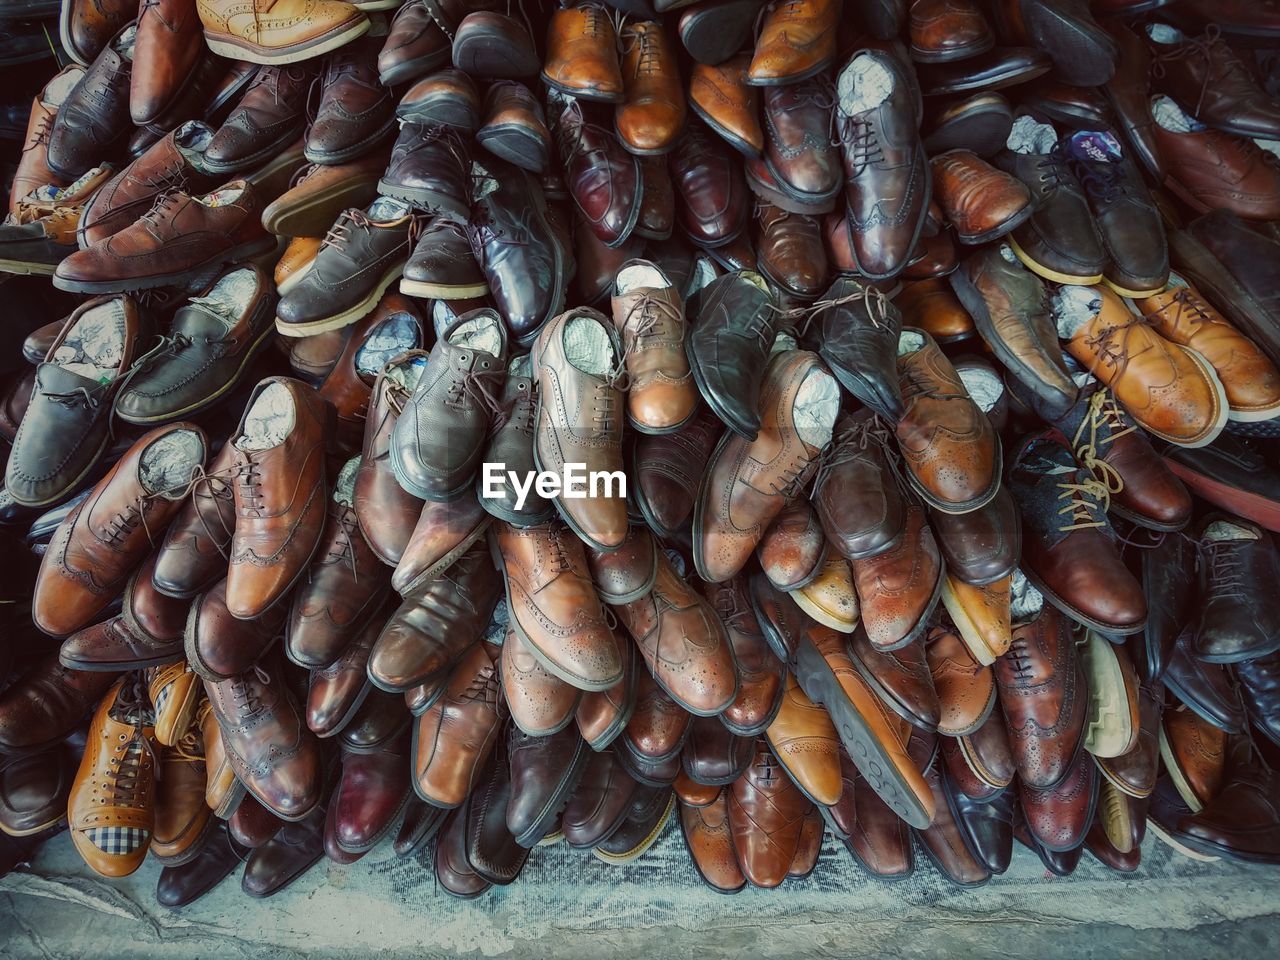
(245, 695)
(1104, 423)
(481, 387)
(1210, 48)
(791, 477)
(249, 478)
(1086, 504)
(343, 546)
(558, 554)
(1225, 568)
(190, 748)
(166, 204)
(128, 766)
(216, 486)
(853, 442)
(876, 307)
(861, 141)
(658, 320)
(648, 62)
(521, 411)
(483, 686)
(1055, 169)
(1105, 182)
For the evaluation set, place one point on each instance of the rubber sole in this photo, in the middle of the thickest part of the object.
(244, 251)
(723, 132)
(514, 143)
(1108, 730)
(441, 291)
(346, 317)
(983, 127)
(643, 846)
(22, 268)
(1048, 273)
(968, 630)
(301, 219)
(1177, 776)
(224, 45)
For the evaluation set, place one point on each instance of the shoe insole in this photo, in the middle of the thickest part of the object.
(166, 466)
(269, 420)
(816, 408)
(94, 346)
(391, 337)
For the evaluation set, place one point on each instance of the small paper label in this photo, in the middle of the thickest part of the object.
(1095, 145)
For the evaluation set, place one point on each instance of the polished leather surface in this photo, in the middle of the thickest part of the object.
(966, 690)
(760, 672)
(721, 96)
(899, 588)
(982, 546)
(859, 342)
(1237, 621)
(708, 835)
(545, 771)
(794, 548)
(766, 817)
(856, 494)
(1058, 817)
(796, 41)
(706, 175)
(269, 116)
(980, 201)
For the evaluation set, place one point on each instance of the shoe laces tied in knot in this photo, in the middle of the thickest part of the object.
(1085, 504)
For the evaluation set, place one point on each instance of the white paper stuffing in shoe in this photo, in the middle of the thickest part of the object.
(166, 466)
(48, 193)
(983, 385)
(588, 347)
(390, 338)
(57, 90)
(1073, 307)
(1025, 601)
(482, 333)
(1007, 254)
(229, 297)
(124, 43)
(344, 491)
(1173, 118)
(1030, 136)
(269, 420)
(1176, 282)
(1163, 33)
(408, 374)
(483, 182)
(94, 346)
(1083, 378)
(640, 276)
(496, 631)
(677, 561)
(192, 138)
(387, 209)
(521, 366)
(863, 85)
(784, 341)
(704, 271)
(442, 317)
(1271, 146)
(1221, 530)
(223, 197)
(816, 408)
(909, 341)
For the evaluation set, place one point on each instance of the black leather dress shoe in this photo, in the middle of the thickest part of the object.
(544, 772)
(1260, 686)
(285, 857)
(491, 849)
(187, 883)
(1239, 568)
(1168, 579)
(985, 825)
(1206, 688)
(859, 341)
(729, 347)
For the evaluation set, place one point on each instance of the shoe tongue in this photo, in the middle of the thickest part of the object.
(1095, 146)
(1030, 136)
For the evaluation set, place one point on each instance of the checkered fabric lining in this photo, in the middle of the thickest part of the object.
(117, 841)
(162, 698)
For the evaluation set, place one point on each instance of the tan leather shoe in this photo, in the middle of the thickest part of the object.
(721, 96)
(803, 738)
(708, 835)
(540, 702)
(183, 819)
(830, 598)
(33, 167)
(651, 117)
(966, 688)
(1250, 379)
(175, 691)
(580, 416)
(222, 791)
(602, 715)
(647, 311)
(297, 259)
(111, 809)
(748, 482)
(981, 615)
(796, 40)
(1195, 755)
(1171, 390)
(951, 452)
(279, 31)
(932, 306)
(874, 736)
(899, 588)
(683, 643)
(794, 548)
(1122, 817)
(454, 738)
(582, 54)
(553, 604)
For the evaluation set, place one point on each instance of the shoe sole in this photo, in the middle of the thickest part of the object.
(224, 45)
(815, 612)
(513, 143)
(1106, 629)
(1048, 273)
(956, 53)
(1108, 730)
(260, 163)
(567, 783)
(643, 846)
(1176, 775)
(347, 317)
(429, 201)
(1261, 510)
(782, 200)
(724, 133)
(590, 686)
(442, 291)
(982, 126)
(978, 769)
(250, 355)
(876, 766)
(1176, 843)
(969, 632)
(1129, 293)
(1210, 851)
(22, 268)
(298, 219)
(243, 252)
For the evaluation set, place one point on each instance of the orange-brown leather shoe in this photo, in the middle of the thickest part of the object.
(650, 119)
(553, 604)
(748, 482)
(183, 819)
(804, 740)
(966, 689)
(1195, 755)
(981, 202)
(794, 548)
(874, 736)
(279, 31)
(1250, 379)
(111, 808)
(708, 835)
(582, 54)
(175, 692)
(932, 306)
(33, 166)
(797, 39)
(683, 643)
(540, 702)
(981, 615)
(899, 588)
(298, 257)
(721, 96)
(1171, 390)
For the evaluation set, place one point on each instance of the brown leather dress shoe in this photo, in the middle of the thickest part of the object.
(966, 689)
(1211, 170)
(1059, 816)
(191, 556)
(793, 551)
(721, 96)
(540, 702)
(945, 30)
(899, 588)
(761, 674)
(168, 45)
(582, 54)
(279, 492)
(981, 202)
(766, 817)
(709, 837)
(288, 31)
(796, 41)
(652, 113)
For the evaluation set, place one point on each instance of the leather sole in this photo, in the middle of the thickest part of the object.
(1109, 730)
(977, 768)
(23, 268)
(977, 644)
(346, 317)
(515, 144)
(313, 215)
(723, 132)
(32, 831)
(955, 53)
(982, 126)
(816, 612)
(233, 48)
(879, 770)
(1176, 775)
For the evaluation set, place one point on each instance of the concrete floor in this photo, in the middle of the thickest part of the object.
(569, 906)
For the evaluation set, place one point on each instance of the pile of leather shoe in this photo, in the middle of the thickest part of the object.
(900, 383)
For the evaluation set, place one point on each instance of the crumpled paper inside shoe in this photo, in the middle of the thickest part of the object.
(863, 85)
(984, 386)
(909, 341)
(1030, 136)
(408, 374)
(1073, 307)
(192, 138)
(816, 407)
(521, 366)
(640, 276)
(390, 338)
(387, 209)
(269, 420)
(588, 347)
(49, 193)
(344, 491)
(56, 91)
(1226, 530)
(94, 346)
(1025, 601)
(229, 298)
(482, 333)
(166, 466)
(1163, 33)
(1173, 118)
